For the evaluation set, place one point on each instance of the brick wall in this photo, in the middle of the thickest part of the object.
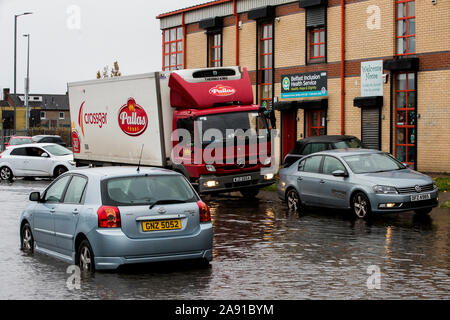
(433, 126)
(361, 44)
(432, 26)
(196, 45)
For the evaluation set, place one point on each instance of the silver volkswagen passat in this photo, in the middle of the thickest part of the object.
(101, 218)
(366, 181)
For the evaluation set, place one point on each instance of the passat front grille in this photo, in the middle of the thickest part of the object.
(425, 188)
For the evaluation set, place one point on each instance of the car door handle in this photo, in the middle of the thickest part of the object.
(52, 210)
(299, 178)
(322, 181)
(75, 211)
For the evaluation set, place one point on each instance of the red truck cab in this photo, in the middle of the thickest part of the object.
(216, 106)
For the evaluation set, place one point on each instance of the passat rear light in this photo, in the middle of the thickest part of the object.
(205, 214)
(108, 217)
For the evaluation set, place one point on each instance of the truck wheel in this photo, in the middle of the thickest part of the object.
(249, 193)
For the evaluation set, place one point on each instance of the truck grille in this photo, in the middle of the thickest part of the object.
(424, 188)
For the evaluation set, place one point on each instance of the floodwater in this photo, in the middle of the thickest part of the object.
(261, 251)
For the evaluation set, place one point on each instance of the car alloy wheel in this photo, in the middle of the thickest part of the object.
(85, 257)
(27, 239)
(59, 171)
(6, 173)
(293, 200)
(361, 205)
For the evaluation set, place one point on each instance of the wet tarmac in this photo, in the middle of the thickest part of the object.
(261, 251)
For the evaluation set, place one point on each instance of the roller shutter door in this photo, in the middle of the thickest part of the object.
(370, 127)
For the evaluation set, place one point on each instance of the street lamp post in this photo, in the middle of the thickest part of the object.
(15, 60)
(27, 85)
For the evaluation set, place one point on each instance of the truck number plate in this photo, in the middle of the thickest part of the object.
(242, 179)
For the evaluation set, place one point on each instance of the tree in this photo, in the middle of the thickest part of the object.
(106, 72)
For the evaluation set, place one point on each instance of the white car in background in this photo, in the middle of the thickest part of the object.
(35, 160)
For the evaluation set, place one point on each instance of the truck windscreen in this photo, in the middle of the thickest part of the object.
(228, 123)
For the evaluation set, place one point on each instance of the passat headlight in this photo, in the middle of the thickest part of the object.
(435, 186)
(385, 190)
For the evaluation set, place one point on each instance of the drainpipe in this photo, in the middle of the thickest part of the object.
(184, 40)
(342, 67)
(236, 18)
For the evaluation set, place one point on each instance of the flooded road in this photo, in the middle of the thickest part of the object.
(261, 251)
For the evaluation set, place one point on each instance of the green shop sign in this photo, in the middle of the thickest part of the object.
(303, 85)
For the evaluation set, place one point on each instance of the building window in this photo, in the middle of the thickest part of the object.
(61, 116)
(265, 78)
(406, 27)
(315, 123)
(405, 118)
(215, 49)
(173, 49)
(43, 115)
(316, 44)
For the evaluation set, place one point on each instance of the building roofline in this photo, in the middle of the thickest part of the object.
(191, 8)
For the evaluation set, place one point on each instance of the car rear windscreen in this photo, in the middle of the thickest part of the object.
(146, 190)
(349, 143)
(17, 141)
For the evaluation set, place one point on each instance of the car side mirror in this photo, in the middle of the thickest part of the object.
(45, 155)
(340, 173)
(35, 196)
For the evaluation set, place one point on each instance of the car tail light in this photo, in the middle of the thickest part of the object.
(205, 214)
(108, 217)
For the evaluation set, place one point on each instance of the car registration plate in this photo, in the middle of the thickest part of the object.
(242, 179)
(420, 197)
(161, 225)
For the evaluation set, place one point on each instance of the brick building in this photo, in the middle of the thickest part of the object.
(284, 43)
(50, 111)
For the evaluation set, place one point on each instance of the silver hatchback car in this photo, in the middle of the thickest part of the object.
(366, 181)
(101, 218)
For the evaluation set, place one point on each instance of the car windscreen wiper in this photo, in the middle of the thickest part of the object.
(166, 202)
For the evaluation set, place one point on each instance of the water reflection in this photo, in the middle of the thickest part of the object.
(262, 251)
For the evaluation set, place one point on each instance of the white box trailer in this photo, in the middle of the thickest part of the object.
(114, 119)
(95, 108)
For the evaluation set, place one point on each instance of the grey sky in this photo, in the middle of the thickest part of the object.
(126, 31)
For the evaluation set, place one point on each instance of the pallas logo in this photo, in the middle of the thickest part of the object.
(222, 91)
(133, 119)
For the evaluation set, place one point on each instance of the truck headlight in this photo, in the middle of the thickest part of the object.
(211, 183)
(72, 163)
(385, 190)
(210, 168)
(268, 176)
